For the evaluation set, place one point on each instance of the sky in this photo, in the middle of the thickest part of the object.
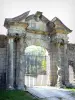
(63, 9)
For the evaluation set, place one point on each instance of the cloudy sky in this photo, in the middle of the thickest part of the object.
(63, 9)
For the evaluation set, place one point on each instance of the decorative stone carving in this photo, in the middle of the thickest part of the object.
(60, 27)
(58, 38)
(17, 28)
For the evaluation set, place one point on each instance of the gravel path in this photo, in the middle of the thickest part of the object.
(51, 93)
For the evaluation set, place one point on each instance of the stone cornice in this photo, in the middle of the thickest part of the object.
(16, 19)
(37, 32)
(16, 36)
(12, 23)
(60, 27)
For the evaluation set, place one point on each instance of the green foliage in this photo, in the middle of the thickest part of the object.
(35, 56)
(35, 50)
(44, 64)
(71, 89)
(15, 95)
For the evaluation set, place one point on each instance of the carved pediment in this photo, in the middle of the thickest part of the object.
(37, 23)
(17, 19)
(60, 27)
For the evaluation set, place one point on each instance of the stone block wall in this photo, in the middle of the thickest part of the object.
(4, 55)
(71, 52)
(71, 62)
(53, 64)
(3, 60)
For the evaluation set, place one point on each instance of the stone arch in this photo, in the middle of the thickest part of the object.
(23, 42)
(39, 40)
(46, 34)
(39, 76)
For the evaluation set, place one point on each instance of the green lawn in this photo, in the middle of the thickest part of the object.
(18, 95)
(71, 89)
(15, 95)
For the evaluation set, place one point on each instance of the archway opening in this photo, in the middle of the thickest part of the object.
(37, 65)
(71, 72)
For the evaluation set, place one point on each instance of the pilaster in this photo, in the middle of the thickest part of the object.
(48, 69)
(59, 67)
(11, 64)
(22, 66)
(66, 64)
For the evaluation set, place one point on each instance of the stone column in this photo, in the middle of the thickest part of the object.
(22, 66)
(74, 73)
(66, 65)
(11, 63)
(59, 67)
(48, 68)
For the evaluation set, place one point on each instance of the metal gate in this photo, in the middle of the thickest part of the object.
(35, 70)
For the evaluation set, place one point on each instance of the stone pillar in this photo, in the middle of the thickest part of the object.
(59, 67)
(48, 68)
(66, 64)
(11, 64)
(22, 66)
(74, 73)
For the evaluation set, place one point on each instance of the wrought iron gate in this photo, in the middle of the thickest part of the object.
(35, 70)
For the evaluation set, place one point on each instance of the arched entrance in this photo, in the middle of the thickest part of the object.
(36, 30)
(25, 61)
(36, 69)
(71, 72)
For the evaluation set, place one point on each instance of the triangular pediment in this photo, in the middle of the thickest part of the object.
(37, 15)
(19, 18)
(60, 27)
(37, 22)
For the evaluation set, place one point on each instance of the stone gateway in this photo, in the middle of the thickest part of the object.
(26, 30)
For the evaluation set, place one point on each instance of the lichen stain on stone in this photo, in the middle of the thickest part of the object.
(37, 43)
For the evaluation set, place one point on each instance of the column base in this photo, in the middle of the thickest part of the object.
(10, 87)
(21, 88)
(60, 84)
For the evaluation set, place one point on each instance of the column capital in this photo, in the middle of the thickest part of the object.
(59, 38)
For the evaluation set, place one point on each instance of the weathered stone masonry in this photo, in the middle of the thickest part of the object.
(36, 29)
